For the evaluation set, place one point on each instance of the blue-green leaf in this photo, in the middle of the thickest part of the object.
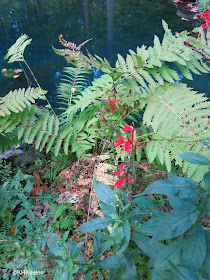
(28, 186)
(157, 274)
(171, 252)
(145, 202)
(127, 229)
(127, 265)
(149, 227)
(99, 245)
(108, 263)
(20, 214)
(175, 224)
(108, 209)
(194, 249)
(207, 180)
(181, 187)
(74, 248)
(195, 158)
(207, 258)
(104, 192)
(144, 243)
(182, 273)
(98, 223)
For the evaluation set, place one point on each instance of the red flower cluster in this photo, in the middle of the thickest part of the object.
(126, 142)
(206, 25)
(112, 103)
(120, 182)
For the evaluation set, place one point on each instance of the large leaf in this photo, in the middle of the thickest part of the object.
(74, 248)
(20, 214)
(194, 249)
(109, 262)
(99, 245)
(195, 158)
(127, 265)
(98, 223)
(157, 274)
(171, 252)
(207, 258)
(181, 187)
(104, 192)
(175, 224)
(207, 180)
(144, 243)
(182, 273)
(108, 209)
(145, 202)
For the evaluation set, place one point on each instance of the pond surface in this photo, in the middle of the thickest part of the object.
(115, 26)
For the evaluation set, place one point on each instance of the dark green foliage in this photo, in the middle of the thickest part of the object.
(186, 251)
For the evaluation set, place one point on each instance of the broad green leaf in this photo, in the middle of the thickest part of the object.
(104, 192)
(207, 258)
(177, 202)
(175, 224)
(116, 236)
(145, 202)
(108, 209)
(98, 223)
(126, 229)
(109, 262)
(207, 180)
(195, 158)
(65, 236)
(157, 274)
(20, 214)
(182, 273)
(194, 249)
(127, 265)
(99, 245)
(171, 252)
(181, 187)
(144, 243)
(74, 248)
(149, 227)
(28, 186)
(25, 223)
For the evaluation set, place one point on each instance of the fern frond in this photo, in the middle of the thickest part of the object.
(73, 82)
(16, 51)
(17, 100)
(93, 94)
(179, 118)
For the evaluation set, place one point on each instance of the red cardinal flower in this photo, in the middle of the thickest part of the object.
(126, 142)
(205, 14)
(112, 103)
(120, 182)
(57, 234)
(206, 25)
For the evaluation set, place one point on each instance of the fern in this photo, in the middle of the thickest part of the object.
(177, 115)
(179, 118)
(73, 82)
(16, 51)
(17, 100)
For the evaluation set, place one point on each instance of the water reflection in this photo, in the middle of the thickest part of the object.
(115, 26)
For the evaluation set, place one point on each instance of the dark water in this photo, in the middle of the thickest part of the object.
(115, 26)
